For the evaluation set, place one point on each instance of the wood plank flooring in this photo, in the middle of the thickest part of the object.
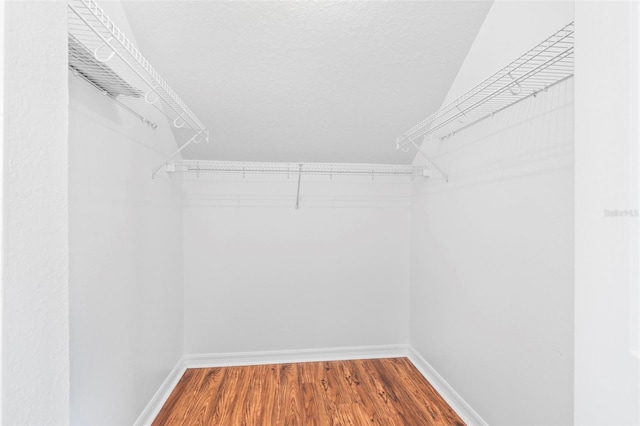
(388, 391)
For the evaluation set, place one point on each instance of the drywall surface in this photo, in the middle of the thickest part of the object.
(35, 323)
(492, 250)
(2, 223)
(607, 374)
(126, 256)
(261, 275)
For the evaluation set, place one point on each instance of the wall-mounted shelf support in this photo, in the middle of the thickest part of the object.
(102, 55)
(430, 161)
(197, 138)
(545, 65)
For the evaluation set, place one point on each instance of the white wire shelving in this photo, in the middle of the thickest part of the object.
(102, 55)
(543, 66)
(297, 169)
(199, 166)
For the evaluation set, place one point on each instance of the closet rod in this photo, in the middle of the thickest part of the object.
(296, 169)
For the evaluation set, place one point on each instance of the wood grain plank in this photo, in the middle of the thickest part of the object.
(361, 384)
(401, 398)
(326, 392)
(225, 397)
(204, 406)
(240, 395)
(253, 410)
(421, 392)
(270, 393)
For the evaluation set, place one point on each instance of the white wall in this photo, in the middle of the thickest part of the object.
(126, 256)
(492, 250)
(35, 323)
(607, 375)
(2, 224)
(260, 275)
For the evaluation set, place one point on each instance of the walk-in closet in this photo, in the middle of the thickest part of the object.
(320, 213)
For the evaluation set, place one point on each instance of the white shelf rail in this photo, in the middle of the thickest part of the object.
(199, 166)
(102, 55)
(543, 66)
(297, 169)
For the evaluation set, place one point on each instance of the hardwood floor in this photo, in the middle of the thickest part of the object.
(387, 391)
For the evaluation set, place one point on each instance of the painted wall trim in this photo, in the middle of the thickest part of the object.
(296, 355)
(445, 390)
(157, 401)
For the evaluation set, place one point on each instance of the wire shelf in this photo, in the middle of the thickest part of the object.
(545, 65)
(102, 55)
(297, 168)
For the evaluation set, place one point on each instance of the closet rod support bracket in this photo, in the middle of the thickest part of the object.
(166, 163)
(430, 161)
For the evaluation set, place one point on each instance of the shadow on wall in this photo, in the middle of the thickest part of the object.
(532, 137)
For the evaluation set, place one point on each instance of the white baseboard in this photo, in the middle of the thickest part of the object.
(152, 409)
(459, 405)
(298, 355)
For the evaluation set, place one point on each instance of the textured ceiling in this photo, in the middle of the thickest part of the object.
(307, 81)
